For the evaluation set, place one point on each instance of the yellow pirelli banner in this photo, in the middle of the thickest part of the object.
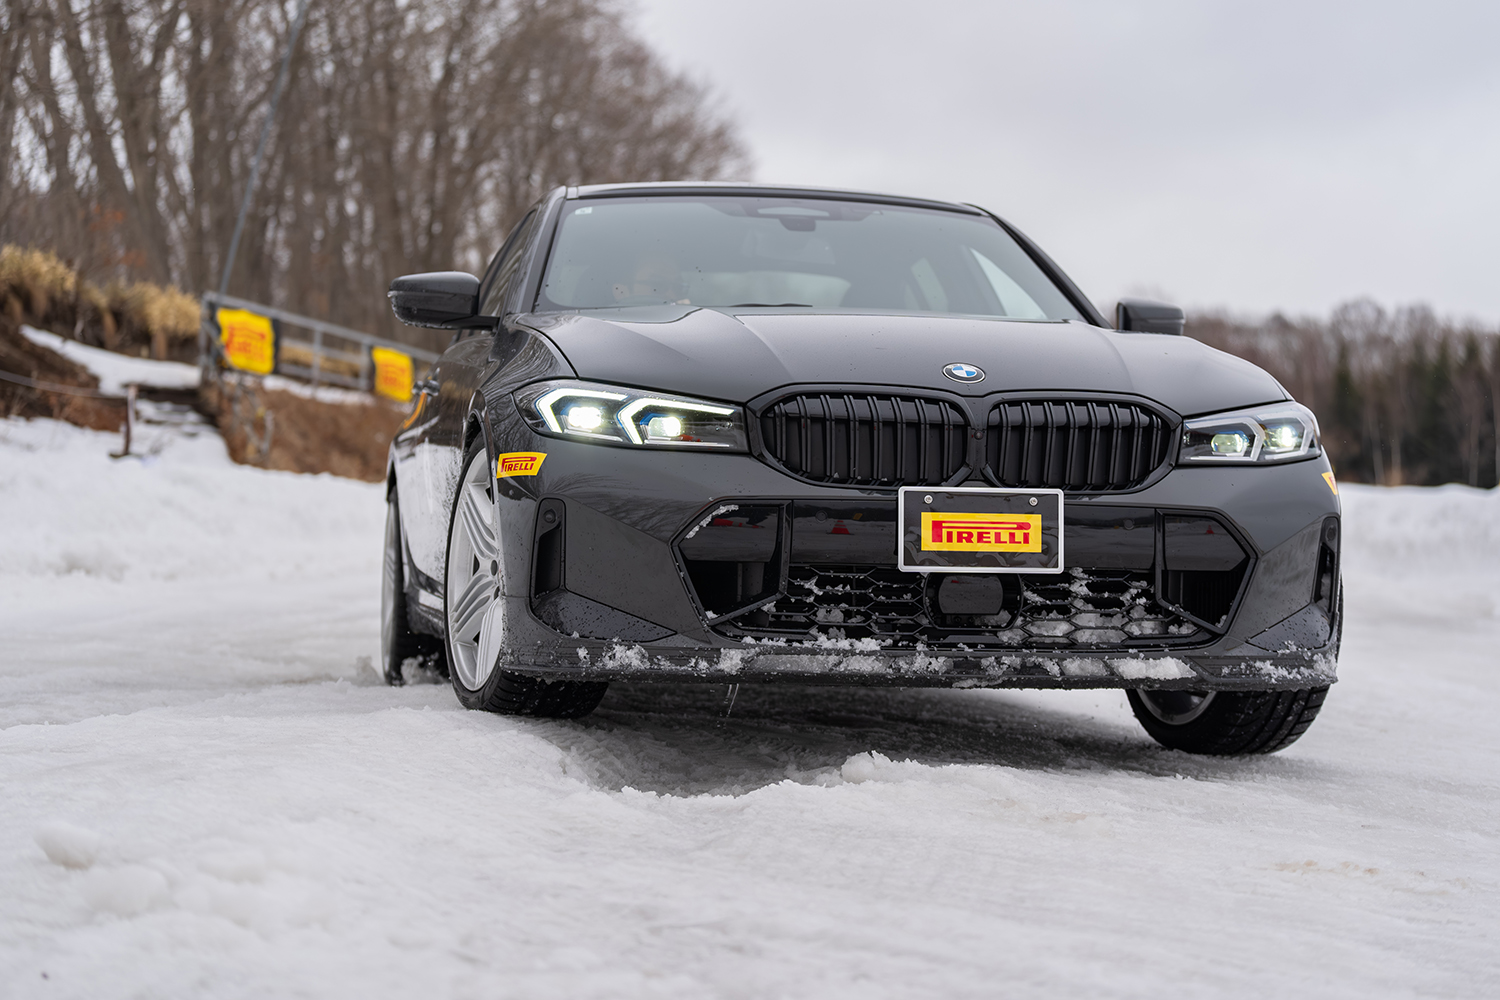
(249, 340)
(393, 373)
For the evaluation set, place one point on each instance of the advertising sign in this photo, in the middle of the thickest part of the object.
(393, 373)
(249, 340)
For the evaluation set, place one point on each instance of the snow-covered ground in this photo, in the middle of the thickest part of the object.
(113, 370)
(205, 793)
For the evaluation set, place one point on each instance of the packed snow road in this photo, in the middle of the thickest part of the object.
(206, 794)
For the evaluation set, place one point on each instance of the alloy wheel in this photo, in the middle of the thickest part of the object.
(473, 604)
(1176, 708)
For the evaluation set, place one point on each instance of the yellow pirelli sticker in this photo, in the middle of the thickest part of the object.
(1328, 478)
(519, 463)
(962, 532)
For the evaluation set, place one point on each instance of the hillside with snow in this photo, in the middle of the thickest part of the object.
(208, 794)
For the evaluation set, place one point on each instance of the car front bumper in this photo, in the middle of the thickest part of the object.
(599, 584)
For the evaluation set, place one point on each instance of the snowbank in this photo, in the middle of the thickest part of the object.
(206, 796)
(115, 371)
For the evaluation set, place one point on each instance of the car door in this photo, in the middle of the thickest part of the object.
(429, 450)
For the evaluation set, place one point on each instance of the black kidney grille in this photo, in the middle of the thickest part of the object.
(1080, 446)
(866, 440)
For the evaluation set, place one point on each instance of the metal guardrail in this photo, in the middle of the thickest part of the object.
(318, 351)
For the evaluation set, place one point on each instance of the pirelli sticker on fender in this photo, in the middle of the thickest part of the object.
(964, 532)
(519, 463)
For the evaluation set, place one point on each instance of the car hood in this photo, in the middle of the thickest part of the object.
(736, 357)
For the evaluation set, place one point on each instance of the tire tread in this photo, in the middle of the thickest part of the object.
(1239, 722)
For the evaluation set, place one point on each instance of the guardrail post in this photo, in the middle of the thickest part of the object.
(317, 365)
(130, 391)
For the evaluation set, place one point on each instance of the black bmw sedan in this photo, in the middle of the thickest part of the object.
(756, 434)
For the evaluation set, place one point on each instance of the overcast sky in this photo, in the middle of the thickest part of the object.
(1256, 156)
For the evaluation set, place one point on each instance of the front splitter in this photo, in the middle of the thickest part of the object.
(777, 663)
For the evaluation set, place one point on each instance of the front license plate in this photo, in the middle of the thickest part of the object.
(969, 530)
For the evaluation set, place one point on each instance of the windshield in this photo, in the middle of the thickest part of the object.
(732, 251)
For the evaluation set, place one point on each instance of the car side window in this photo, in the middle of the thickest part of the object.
(502, 271)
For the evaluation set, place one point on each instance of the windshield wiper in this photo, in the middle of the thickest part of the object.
(770, 305)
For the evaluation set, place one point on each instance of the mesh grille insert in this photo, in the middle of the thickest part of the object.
(1079, 446)
(1078, 610)
(865, 439)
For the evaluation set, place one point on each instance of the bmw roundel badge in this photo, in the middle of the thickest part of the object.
(964, 373)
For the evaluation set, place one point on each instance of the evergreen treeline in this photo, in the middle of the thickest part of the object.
(1402, 397)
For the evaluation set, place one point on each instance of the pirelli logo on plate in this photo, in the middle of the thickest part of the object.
(519, 463)
(965, 532)
(976, 529)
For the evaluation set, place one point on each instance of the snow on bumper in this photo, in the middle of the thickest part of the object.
(783, 661)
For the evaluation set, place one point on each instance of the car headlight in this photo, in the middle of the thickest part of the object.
(610, 415)
(1278, 433)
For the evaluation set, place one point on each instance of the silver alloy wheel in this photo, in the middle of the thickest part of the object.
(473, 604)
(1176, 708)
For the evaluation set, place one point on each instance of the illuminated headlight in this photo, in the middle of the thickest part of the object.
(582, 417)
(632, 417)
(1276, 433)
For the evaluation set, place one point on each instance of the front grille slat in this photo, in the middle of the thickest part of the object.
(1074, 445)
(1090, 476)
(879, 440)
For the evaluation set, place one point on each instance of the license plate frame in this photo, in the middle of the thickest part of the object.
(996, 522)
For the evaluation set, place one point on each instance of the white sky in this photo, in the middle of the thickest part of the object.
(1274, 155)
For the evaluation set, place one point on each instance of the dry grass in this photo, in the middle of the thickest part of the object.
(165, 317)
(38, 288)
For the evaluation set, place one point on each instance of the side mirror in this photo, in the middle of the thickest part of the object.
(442, 300)
(1145, 316)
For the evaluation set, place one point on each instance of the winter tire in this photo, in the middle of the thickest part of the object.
(398, 643)
(474, 611)
(1226, 723)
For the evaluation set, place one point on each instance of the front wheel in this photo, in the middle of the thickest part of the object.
(1226, 723)
(398, 642)
(474, 609)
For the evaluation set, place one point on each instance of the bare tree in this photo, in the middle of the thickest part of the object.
(410, 137)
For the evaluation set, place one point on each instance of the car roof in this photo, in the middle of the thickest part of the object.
(742, 189)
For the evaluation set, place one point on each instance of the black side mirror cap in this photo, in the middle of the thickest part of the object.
(1145, 316)
(441, 300)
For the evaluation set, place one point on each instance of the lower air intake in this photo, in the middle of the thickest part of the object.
(880, 607)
